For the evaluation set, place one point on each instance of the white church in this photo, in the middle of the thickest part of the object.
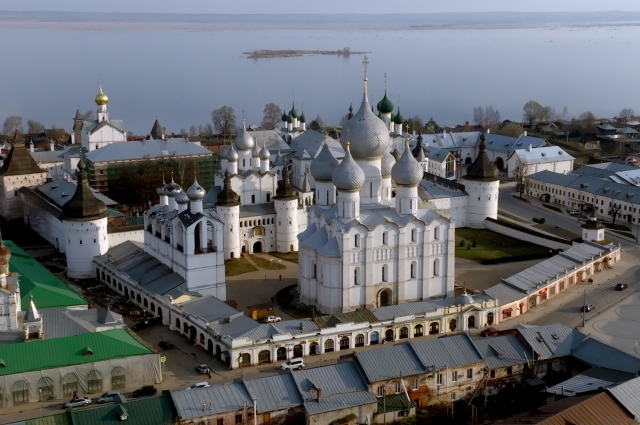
(370, 241)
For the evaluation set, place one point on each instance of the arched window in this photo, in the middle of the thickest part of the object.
(178, 324)
(385, 238)
(281, 354)
(264, 357)
(381, 391)
(45, 388)
(145, 303)
(20, 393)
(453, 323)
(246, 359)
(153, 307)
(355, 276)
(69, 384)
(436, 267)
(344, 343)
(359, 340)
(490, 319)
(328, 346)
(118, 378)
(388, 335)
(356, 241)
(413, 269)
(385, 272)
(94, 381)
(436, 233)
(404, 332)
(418, 330)
(374, 337)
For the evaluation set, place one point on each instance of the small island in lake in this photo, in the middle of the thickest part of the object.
(259, 54)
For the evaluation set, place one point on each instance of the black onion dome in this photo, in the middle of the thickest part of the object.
(285, 190)
(84, 205)
(227, 197)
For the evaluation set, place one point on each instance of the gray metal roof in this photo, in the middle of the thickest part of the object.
(542, 155)
(342, 386)
(505, 294)
(419, 307)
(154, 148)
(44, 157)
(430, 190)
(211, 400)
(597, 353)
(274, 392)
(550, 341)
(149, 273)
(285, 327)
(390, 362)
(209, 308)
(454, 351)
(58, 323)
(590, 380)
(257, 209)
(503, 351)
(61, 191)
(627, 395)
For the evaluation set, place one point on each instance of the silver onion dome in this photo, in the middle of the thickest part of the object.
(463, 299)
(264, 153)
(407, 171)
(322, 166)
(388, 161)
(182, 198)
(173, 188)
(233, 155)
(196, 192)
(224, 152)
(367, 134)
(255, 153)
(348, 175)
(244, 141)
(162, 189)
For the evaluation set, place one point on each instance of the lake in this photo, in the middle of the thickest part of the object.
(180, 76)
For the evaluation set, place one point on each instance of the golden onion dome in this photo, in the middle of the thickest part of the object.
(101, 98)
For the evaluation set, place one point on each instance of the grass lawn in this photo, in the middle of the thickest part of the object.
(266, 264)
(512, 217)
(289, 256)
(490, 245)
(239, 266)
(625, 234)
(551, 207)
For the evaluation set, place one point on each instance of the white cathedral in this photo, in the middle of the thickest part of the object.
(371, 241)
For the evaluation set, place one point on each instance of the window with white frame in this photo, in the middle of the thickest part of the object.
(415, 384)
(454, 376)
(440, 380)
(398, 387)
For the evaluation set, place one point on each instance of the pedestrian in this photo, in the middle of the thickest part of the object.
(209, 373)
(280, 278)
(75, 394)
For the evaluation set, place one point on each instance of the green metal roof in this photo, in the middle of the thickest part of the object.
(59, 352)
(48, 291)
(114, 213)
(395, 402)
(134, 221)
(146, 411)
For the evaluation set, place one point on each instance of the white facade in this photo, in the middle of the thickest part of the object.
(483, 202)
(360, 252)
(83, 241)
(523, 162)
(93, 134)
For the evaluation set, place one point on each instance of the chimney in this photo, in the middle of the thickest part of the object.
(530, 147)
(319, 392)
(525, 132)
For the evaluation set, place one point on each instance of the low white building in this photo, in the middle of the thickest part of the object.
(523, 162)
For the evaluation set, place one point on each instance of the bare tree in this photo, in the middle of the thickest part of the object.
(414, 124)
(523, 169)
(34, 126)
(531, 111)
(626, 114)
(11, 124)
(32, 214)
(562, 116)
(317, 124)
(58, 135)
(588, 121)
(615, 212)
(272, 114)
(491, 116)
(478, 115)
(511, 130)
(193, 130)
(344, 120)
(224, 120)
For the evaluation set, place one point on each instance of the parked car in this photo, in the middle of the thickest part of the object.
(145, 391)
(108, 396)
(621, 286)
(198, 385)
(540, 220)
(202, 368)
(490, 332)
(146, 323)
(295, 363)
(166, 345)
(78, 402)
(575, 212)
(272, 319)
(588, 307)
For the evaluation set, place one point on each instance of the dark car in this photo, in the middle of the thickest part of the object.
(621, 286)
(489, 332)
(540, 220)
(146, 323)
(587, 307)
(145, 391)
(166, 345)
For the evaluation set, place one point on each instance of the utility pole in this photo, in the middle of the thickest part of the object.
(584, 307)
(384, 404)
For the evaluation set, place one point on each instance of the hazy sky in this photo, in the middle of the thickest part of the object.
(323, 6)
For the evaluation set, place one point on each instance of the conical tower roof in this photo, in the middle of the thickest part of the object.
(285, 190)
(84, 205)
(482, 168)
(227, 197)
(157, 132)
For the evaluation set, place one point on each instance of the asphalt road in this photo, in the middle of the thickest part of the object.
(565, 308)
